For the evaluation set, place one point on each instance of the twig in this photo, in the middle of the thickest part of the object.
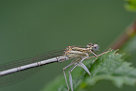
(124, 37)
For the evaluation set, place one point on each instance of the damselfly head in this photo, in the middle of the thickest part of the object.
(93, 47)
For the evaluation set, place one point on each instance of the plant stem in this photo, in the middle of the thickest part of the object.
(124, 37)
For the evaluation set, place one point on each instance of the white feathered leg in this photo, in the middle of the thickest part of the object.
(70, 77)
(85, 68)
(65, 73)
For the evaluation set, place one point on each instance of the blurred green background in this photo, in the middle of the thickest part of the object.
(31, 27)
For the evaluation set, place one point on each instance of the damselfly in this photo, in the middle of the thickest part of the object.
(18, 70)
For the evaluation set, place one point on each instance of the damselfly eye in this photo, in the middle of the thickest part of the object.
(95, 48)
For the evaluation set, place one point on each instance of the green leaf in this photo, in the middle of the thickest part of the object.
(130, 5)
(110, 66)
